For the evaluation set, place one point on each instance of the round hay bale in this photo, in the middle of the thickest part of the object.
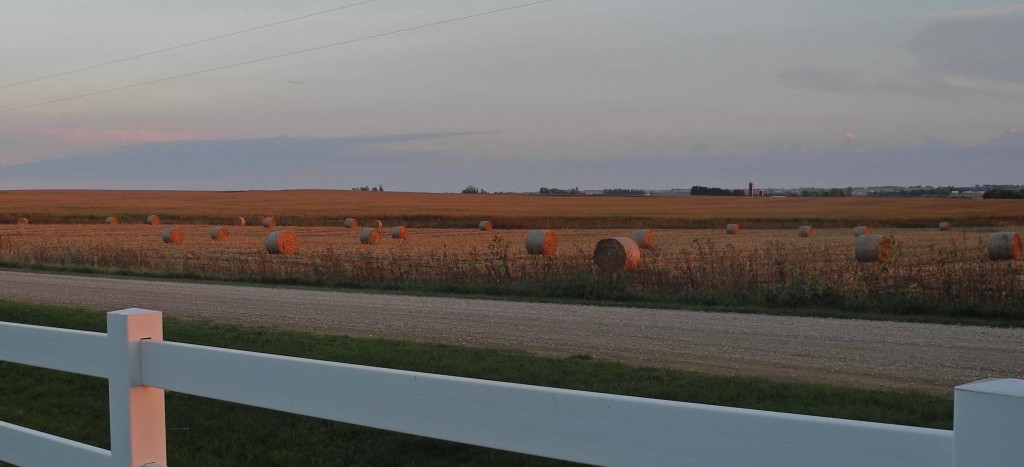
(399, 233)
(619, 254)
(872, 248)
(21, 221)
(350, 223)
(944, 226)
(153, 219)
(173, 235)
(643, 238)
(806, 231)
(369, 236)
(1004, 246)
(378, 224)
(239, 221)
(486, 226)
(281, 242)
(861, 230)
(541, 242)
(269, 222)
(732, 229)
(110, 220)
(219, 233)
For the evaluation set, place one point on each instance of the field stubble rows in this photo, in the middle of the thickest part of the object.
(932, 272)
(507, 211)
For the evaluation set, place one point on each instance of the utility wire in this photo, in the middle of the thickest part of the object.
(311, 49)
(133, 57)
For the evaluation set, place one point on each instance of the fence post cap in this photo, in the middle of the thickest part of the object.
(996, 386)
(132, 312)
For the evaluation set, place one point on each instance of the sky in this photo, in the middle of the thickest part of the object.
(652, 94)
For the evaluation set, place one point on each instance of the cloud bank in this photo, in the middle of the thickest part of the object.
(393, 161)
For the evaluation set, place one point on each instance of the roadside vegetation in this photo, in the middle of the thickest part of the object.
(214, 433)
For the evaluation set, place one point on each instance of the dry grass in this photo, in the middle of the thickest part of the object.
(929, 271)
(320, 207)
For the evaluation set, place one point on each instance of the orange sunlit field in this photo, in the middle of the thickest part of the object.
(327, 207)
(245, 243)
(694, 261)
(930, 270)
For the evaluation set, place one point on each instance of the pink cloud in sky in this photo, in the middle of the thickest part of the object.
(850, 137)
(137, 135)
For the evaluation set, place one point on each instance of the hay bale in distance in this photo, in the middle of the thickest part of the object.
(21, 221)
(239, 221)
(110, 220)
(732, 229)
(1003, 246)
(350, 223)
(486, 226)
(861, 230)
(644, 238)
(541, 242)
(219, 233)
(806, 231)
(619, 254)
(281, 242)
(399, 233)
(153, 219)
(872, 248)
(944, 226)
(369, 236)
(269, 222)
(173, 235)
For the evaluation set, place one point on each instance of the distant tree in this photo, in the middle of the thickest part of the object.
(623, 192)
(471, 190)
(1004, 194)
(713, 191)
(559, 191)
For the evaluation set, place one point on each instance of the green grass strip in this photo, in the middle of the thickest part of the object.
(215, 433)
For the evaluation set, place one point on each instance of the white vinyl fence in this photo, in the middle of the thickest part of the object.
(572, 425)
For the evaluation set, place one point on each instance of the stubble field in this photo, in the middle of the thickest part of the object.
(932, 273)
(330, 207)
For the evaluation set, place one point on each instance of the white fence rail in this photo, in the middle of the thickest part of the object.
(572, 425)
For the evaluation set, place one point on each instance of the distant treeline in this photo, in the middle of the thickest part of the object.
(714, 191)
(623, 192)
(1004, 194)
(914, 192)
(558, 191)
(829, 193)
(472, 190)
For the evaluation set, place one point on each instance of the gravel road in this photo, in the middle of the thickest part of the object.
(930, 357)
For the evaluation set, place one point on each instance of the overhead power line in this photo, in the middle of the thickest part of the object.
(133, 57)
(273, 57)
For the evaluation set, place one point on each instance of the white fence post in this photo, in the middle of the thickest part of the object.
(137, 426)
(988, 424)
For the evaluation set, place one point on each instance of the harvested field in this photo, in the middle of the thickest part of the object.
(930, 272)
(418, 210)
(466, 244)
